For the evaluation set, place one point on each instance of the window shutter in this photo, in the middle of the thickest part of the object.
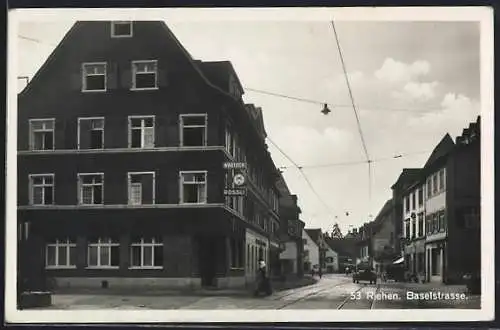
(162, 77)
(112, 76)
(126, 78)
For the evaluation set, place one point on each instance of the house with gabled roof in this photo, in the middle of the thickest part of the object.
(122, 141)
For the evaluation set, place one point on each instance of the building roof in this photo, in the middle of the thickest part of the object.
(286, 198)
(407, 175)
(443, 148)
(343, 246)
(381, 218)
(315, 234)
(219, 73)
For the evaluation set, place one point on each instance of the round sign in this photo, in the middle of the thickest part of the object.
(239, 179)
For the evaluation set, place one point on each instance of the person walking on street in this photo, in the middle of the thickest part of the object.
(263, 282)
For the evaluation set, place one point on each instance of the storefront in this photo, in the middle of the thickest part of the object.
(257, 248)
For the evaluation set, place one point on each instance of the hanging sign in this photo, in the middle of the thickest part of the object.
(237, 181)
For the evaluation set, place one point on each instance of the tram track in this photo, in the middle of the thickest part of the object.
(302, 298)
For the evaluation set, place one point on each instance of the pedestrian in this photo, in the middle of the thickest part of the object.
(263, 282)
(320, 272)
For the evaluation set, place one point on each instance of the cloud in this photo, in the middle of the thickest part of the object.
(457, 111)
(309, 146)
(393, 71)
(415, 91)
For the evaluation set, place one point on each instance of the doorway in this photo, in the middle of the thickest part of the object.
(207, 257)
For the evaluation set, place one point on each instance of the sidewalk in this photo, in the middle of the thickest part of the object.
(187, 292)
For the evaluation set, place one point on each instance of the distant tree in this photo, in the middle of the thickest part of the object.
(336, 233)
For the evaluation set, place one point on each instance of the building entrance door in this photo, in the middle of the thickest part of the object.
(207, 256)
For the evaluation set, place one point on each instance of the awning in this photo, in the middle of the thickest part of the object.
(400, 260)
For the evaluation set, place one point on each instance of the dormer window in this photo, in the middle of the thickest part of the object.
(121, 29)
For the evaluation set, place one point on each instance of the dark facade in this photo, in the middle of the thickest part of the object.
(442, 234)
(121, 145)
(405, 179)
(291, 232)
(383, 241)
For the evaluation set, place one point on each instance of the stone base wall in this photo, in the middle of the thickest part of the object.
(126, 282)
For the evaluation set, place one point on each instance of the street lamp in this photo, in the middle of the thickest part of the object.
(325, 110)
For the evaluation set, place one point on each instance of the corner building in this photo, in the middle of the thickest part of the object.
(121, 144)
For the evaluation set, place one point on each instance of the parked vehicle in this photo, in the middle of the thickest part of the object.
(395, 273)
(364, 275)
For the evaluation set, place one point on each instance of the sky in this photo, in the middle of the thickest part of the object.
(412, 82)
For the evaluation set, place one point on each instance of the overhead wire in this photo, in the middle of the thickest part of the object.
(303, 175)
(357, 162)
(351, 97)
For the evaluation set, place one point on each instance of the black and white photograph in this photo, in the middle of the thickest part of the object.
(256, 165)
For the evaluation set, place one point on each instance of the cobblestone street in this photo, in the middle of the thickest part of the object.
(331, 292)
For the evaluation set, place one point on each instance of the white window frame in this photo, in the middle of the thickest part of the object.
(144, 245)
(134, 75)
(68, 244)
(32, 132)
(81, 185)
(114, 35)
(80, 119)
(129, 185)
(105, 242)
(84, 76)
(32, 186)
(181, 186)
(143, 127)
(181, 128)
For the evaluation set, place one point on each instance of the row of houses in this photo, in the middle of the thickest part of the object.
(431, 225)
(141, 166)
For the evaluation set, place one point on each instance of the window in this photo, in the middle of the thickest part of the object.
(146, 253)
(193, 130)
(420, 196)
(435, 223)
(434, 184)
(428, 224)
(442, 221)
(141, 132)
(193, 187)
(91, 133)
(230, 141)
(407, 229)
(407, 203)
(236, 253)
(413, 198)
(145, 75)
(121, 29)
(103, 253)
(42, 189)
(413, 228)
(420, 224)
(60, 254)
(441, 180)
(94, 77)
(429, 188)
(141, 188)
(42, 134)
(91, 188)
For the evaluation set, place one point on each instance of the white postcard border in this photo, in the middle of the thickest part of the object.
(484, 15)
